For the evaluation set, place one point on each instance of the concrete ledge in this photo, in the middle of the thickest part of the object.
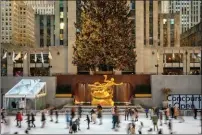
(144, 102)
(143, 95)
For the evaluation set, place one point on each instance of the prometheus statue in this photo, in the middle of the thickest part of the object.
(102, 93)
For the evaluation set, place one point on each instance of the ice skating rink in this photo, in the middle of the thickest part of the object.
(190, 126)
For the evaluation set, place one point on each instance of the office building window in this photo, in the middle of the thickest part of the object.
(61, 42)
(151, 22)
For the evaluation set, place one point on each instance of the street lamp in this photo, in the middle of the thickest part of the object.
(186, 53)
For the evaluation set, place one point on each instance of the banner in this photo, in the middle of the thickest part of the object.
(185, 102)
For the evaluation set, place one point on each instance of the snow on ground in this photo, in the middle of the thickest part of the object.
(190, 126)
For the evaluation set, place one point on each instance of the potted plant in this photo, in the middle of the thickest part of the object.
(166, 92)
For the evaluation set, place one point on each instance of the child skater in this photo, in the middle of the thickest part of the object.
(88, 121)
(28, 121)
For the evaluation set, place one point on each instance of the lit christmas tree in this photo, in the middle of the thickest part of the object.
(104, 35)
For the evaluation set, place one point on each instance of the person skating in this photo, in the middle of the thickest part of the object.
(43, 119)
(67, 119)
(19, 119)
(33, 119)
(88, 121)
(79, 111)
(3, 116)
(132, 129)
(51, 115)
(136, 114)
(78, 123)
(146, 112)
(172, 112)
(195, 112)
(28, 121)
(94, 117)
(161, 117)
(126, 113)
(92, 112)
(115, 120)
(99, 108)
(56, 116)
(155, 121)
(170, 126)
(140, 129)
(16, 118)
(72, 112)
(176, 112)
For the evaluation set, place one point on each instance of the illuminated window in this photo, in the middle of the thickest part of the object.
(62, 25)
(171, 21)
(61, 14)
(61, 37)
(164, 21)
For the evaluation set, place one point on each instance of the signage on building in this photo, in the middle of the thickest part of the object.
(185, 102)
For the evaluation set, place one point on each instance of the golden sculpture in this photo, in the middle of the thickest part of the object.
(102, 93)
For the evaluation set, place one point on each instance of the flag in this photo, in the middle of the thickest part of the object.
(25, 57)
(18, 56)
(50, 56)
(35, 58)
(42, 60)
(5, 55)
(13, 57)
(157, 56)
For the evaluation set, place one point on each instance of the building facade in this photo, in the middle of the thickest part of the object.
(190, 12)
(17, 22)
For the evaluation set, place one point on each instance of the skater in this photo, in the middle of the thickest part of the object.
(155, 121)
(51, 115)
(100, 114)
(3, 116)
(94, 117)
(19, 119)
(67, 119)
(115, 120)
(133, 115)
(140, 129)
(195, 112)
(167, 114)
(161, 117)
(88, 121)
(176, 112)
(28, 121)
(56, 116)
(43, 119)
(16, 118)
(92, 112)
(170, 126)
(132, 129)
(79, 111)
(72, 112)
(78, 123)
(126, 113)
(172, 112)
(146, 112)
(33, 119)
(73, 128)
(136, 114)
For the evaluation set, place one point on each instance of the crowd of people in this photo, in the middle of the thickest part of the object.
(156, 115)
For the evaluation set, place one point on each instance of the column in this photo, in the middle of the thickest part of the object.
(10, 65)
(177, 30)
(71, 35)
(26, 66)
(65, 24)
(186, 61)
(161, 30)
(140, 36)
(57, 22)
(37, 30)
(147, 22)
(168, 31)
(155, 23)
(52, 30)
(45, 30)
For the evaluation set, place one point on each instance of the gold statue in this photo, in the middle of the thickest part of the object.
(102, 93)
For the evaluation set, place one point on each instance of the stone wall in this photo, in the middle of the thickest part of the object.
(184, 84)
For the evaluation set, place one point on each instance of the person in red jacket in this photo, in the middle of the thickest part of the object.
(19, 119)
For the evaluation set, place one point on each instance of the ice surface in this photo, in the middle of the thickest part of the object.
(190, 126)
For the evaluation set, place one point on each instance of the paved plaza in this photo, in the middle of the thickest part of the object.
(190, 126)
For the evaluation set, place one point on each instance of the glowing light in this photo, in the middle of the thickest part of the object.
(62, 25)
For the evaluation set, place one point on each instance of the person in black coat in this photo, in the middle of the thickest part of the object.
(195, 112)
(56, 116)
(28, 121)
(43, 119)
(88, 121)
(172, 111)
(33, 119)
(79, 111)
(51, 114)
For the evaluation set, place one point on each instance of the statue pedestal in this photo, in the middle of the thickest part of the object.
(103, 102)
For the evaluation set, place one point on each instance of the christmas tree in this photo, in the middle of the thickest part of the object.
(104, 35)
